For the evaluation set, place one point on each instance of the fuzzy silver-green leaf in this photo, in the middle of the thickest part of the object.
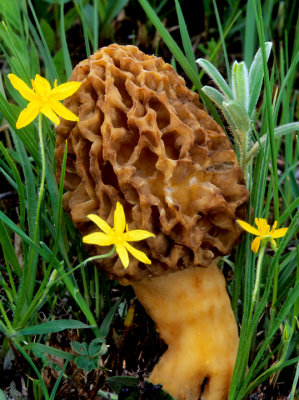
(216, 76)
(256, 75)
(240, 83)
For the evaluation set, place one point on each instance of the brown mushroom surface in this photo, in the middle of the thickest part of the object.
(144, 140)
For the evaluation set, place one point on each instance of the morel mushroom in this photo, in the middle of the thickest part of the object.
(144, 140)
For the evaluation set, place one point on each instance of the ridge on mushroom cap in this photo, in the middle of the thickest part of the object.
(144, 140)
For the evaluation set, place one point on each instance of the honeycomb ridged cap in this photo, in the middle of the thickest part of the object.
(143, 139)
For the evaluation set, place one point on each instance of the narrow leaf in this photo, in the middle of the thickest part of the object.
(238, 114)
(38, 348)
(279, 131)
(185, 37)
(52, 397)
(216, 76)
(53, 327)
(256, 74)
(105, 326)
(214, 95)
(65, 50)
(240, 83)
(9, 250)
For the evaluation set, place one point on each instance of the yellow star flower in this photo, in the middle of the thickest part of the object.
(43, 99)
(263, 232)
(118, 236)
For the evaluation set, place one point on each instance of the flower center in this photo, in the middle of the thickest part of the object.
(44, 97)
(119, 238)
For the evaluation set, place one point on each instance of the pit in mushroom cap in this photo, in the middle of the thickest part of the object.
(144, 140)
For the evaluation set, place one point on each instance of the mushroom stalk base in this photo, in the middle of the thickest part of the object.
(192, 312)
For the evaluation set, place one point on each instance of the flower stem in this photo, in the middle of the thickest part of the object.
(256, 290)
(28, 281)
(42, 184)
(274, 295)
(31, 270)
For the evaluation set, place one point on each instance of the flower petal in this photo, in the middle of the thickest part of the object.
(278, 233)
(119, 219)
(248, 227)
(98, 238)
(100, 223)
(65, 90)
(262, 226)
(255, 244)
(123, 254)
(49, 113)
(41, 86)
(62, 111)
(273, 227)
(22, 87)
(140, 255)
(28, 114)
(138, 234)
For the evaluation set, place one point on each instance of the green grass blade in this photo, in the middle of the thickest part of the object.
(270, 121)
(65, 50)
(105, 325)
(9, 251)
(53, 327)
(250, 34)
(86, 31)
(185, 37)
(95, 26)
(113, 7)
(26, 356)
(38, 348)
(289, 302)
(44, 47)
(222, 41)
(58, 380)
(30, 183)
(20, 186)
(295, 383)
(266, 375)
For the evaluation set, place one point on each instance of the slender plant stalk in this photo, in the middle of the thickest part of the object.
(6, 319)
(97, 293)
(269, 113)
(256, 290)
(28, 282)
(26, 356)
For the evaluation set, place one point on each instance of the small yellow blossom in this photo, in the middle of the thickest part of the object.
(118, 236)
(43, 99)
(263, 232)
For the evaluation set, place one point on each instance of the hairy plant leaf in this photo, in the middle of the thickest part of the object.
(214, 95)
(256, 75)
(240, 83)
(238, 114)
(216, 76)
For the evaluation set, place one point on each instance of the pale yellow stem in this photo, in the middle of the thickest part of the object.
(192, 312)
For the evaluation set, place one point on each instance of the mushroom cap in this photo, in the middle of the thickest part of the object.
(143, 139)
